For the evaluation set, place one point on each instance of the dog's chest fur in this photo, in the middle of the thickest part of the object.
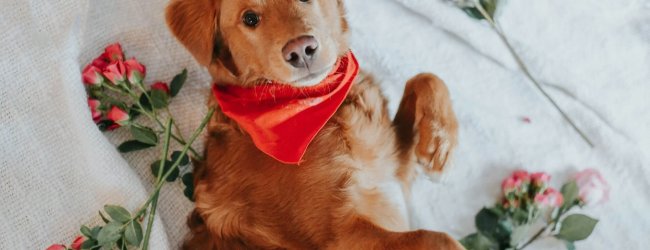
(353, 164)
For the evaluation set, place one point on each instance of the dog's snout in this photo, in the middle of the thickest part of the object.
(300, 52)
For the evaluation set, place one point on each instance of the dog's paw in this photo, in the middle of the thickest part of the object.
(437, 140)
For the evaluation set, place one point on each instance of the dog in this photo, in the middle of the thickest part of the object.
(351, 187)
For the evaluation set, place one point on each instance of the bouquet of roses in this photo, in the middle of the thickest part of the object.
(117, 97)
(529, 202)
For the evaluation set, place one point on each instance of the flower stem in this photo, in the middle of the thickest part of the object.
(524, 68)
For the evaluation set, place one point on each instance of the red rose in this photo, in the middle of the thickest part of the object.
(92, 75)
(160, 86)
(114, 53)
(115, 72)
(100, 62)
(94, 104)
(550, 198)
(134, 70)
(56, 247)
(118, 116)
(540, 179)
(76, 244)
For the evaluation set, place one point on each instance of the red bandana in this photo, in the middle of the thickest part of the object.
(283, 120)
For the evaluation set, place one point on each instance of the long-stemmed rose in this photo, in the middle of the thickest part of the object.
(526, 197)
(117, 97)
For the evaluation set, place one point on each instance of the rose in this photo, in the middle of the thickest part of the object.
(134, 70)
(114, 53)
(160, 86)
(56, 247)
(540, 179)
(92, 76)
(76, 244)
(518, 181)
(115, 72)
(593, 189)
(118, 116)
(94, 104)
(550, 198)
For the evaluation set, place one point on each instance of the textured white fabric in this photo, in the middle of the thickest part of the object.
(57, 169)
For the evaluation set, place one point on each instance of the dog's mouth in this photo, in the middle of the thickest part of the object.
(312, 78)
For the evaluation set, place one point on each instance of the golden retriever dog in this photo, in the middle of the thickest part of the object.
(352, 187)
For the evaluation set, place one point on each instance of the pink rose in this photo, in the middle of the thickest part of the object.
(593, 189)
(94, 104)
(76, 244)
(56, 247)
(540, 179)
(115, 72)
(134, 70)
(118, 116)
(92, 76)
(114, 53)
(160, 86)
(550, 198)
(100, 62)
(517, 181)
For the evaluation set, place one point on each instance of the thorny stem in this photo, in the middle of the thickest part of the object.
(524, 68)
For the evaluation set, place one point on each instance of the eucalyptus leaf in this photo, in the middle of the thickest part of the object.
(159, 99)
(95, 231)
(477, 241)
(167, 167)
(118, 213)
(133, 233)
(132, 146)
(576, 227)
(110, 234)
(178, 82)
(184, 161)
(144, 135)
(492, 226)
(88, 244)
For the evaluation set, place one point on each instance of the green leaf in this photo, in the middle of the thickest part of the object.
(88, 244)
(168, 165)
(95, 231)
(490, 7)
(110, 234)
(570, 194)
(118, 213)
(188, 180)
(178, 82)
(132, 146)
(492, 226)
(184, 161)
(477, 241)
(159, 99)
(104, 219)
(144, 135)
(86, 231)
(576, 227)
(133, 112)
(133, 233)
(519, 234)
(144, 101)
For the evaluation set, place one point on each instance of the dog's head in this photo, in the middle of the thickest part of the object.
(251, 41)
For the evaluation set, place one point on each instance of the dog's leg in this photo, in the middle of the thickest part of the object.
(425, 122)
(362, 234)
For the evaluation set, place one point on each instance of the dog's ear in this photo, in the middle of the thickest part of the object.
(195, 25)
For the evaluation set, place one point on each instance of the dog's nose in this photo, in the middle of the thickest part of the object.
(300, 52)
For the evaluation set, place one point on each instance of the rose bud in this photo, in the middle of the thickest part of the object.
(540, 179)
(56, 247)
(114, 53)
(160, 86)
(118, 116)
(550, 198)
(76, 244)
(593, 189)
(518, 181)
(115, 72)
(101, 62)
(92, 76)
(94, 104)
(134, 70)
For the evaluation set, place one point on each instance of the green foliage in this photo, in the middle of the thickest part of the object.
(118, 213)
(491, 225)
(490, 6)
(144, 135)
(188, 181)
(570, 194)
(576, 227)
(177, 83)
(477, 241)
(159, 99)
(132, 146)
(167, 167)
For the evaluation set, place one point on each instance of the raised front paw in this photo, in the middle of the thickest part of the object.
(426, 123)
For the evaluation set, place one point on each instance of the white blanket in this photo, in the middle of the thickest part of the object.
(57, 169)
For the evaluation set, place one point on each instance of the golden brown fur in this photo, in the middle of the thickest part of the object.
(334, 199)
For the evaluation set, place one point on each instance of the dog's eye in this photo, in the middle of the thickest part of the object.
(251, 19)
(305, 1)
